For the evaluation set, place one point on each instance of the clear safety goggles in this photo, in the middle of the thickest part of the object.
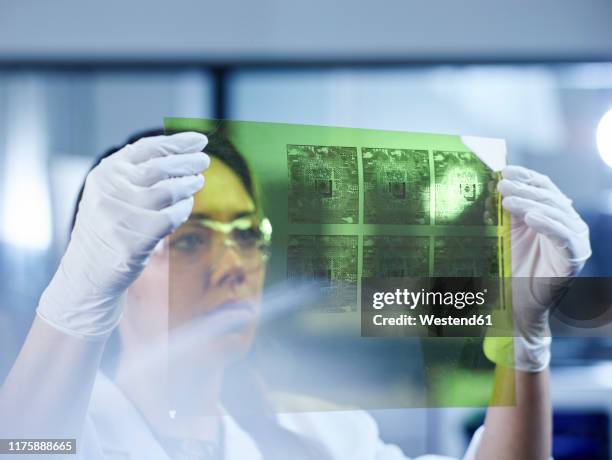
(207, 240)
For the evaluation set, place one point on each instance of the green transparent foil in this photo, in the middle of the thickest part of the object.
(352, 203)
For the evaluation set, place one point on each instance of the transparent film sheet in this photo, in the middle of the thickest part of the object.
(283, 316)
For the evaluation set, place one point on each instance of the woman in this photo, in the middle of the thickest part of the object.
(144, 192)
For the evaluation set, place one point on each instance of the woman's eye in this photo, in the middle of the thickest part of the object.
(246, 238)
(187, 242)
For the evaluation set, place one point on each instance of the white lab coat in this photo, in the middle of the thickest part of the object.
(115, 430)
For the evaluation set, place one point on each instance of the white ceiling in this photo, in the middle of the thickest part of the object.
(231, 30)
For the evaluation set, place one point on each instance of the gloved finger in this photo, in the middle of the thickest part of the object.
(167, 192)
(130, 236)
(158, 169)
(155, 224)
(528, 176)
(522, 206)
(515, 188)
(160, 146)
(176, 215)
(559, 234)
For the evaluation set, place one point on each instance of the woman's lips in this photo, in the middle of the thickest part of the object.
(232, 313)
(234, 304)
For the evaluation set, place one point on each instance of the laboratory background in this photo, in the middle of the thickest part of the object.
(79, 77)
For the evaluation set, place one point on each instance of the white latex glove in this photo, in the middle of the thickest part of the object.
(548, 240)
(131, 201)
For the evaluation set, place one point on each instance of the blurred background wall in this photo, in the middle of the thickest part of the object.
(79, 77)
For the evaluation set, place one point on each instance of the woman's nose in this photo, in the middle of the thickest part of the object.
(228, 269)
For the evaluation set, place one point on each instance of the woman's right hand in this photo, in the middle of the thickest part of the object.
(131, 201)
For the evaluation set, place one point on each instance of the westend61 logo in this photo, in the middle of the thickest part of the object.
(406, 298)
(466, 306)
(429, 306)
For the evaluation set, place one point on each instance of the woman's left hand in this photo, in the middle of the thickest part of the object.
(549, 240)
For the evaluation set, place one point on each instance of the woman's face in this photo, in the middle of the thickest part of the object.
(214, 271)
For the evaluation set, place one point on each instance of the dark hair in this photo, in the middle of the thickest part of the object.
(274, 441)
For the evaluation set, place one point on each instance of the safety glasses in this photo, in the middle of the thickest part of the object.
(207, 239)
